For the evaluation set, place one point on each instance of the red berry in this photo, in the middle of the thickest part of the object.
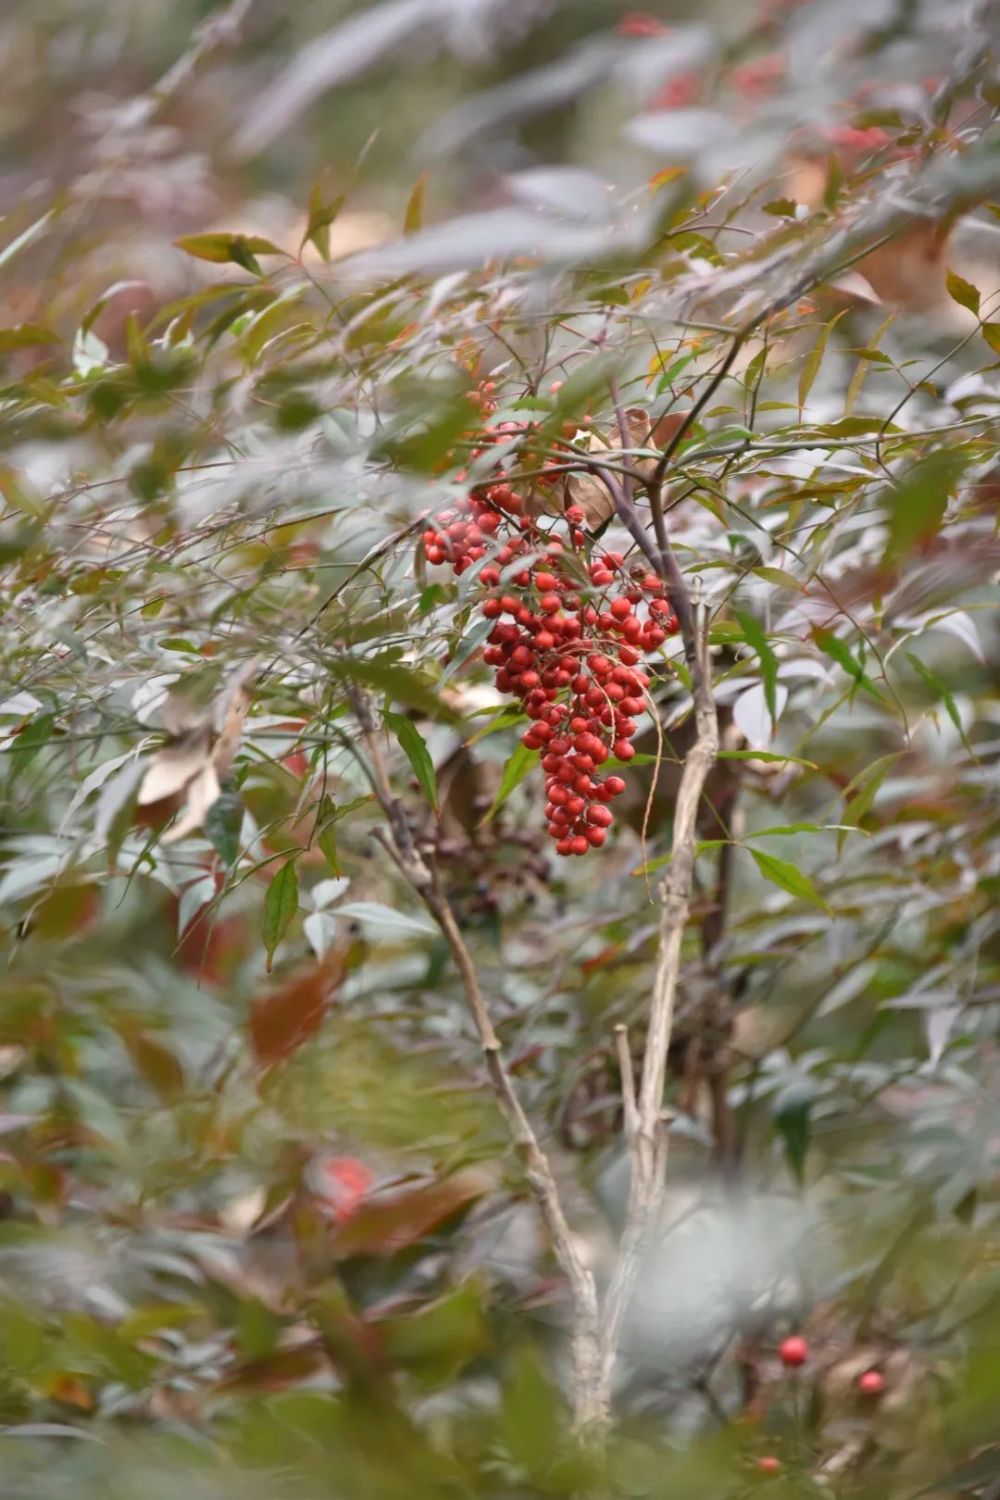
(871, 1383)
(596, 837)
(579, 844)
(546, 582)
(601, 817)
(549, 603)
(341, 1184)
(623, 750)
(621, 609)
(615, 785)
(768, 1464)
(565, 846)
(793, 1351)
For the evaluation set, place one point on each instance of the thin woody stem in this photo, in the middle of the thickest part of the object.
(646, 1124)
(589, 1407)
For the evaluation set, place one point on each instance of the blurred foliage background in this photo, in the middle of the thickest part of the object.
(261, 1228)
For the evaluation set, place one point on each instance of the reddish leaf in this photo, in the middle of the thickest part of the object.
(276, 1372)
(390, 1224)
(155, 1062)
(285, 1018)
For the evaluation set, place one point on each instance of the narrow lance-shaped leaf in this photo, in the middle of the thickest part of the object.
(788, 878)
(239, 249)
(940, 690)
(223, 822)
(671, 373)
(835, 648)
(321, 215)
(813, 360)
(916, 505)
(280, 905)
(412, 744)
(755, 637)
(793, 1122)
(514, 772)
(962, 292)
(330, 813)
(414, 216)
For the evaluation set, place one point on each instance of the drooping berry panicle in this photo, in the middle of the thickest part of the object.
(567, 642)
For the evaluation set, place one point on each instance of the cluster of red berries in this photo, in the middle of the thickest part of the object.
(567, 641)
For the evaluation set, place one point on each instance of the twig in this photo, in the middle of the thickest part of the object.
(648, 1141)
(590, 1408)
(625, 1069)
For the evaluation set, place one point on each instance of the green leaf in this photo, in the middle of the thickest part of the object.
(321, 216)
(280, 905)
(780, 208)
(783, 829)
(962, 292)
(531, 1416)
(793, 1122)
(223, 822)
(941, 694)
(330, 813)
(26, 745)
(326, 840)
(778, 577)
(588, 382)
(916, 505)
(400, 683)
(874, 768)
(427, 440)
(240, 249)
(412, 744)
(860, 375)
(25, 336)
(770, 755)
(861, 791)
(520, 763)
(788, 878)
(991, 333)
(835, 648)
(755, 637)
(755, 369)
(413, 219)
(671, 373)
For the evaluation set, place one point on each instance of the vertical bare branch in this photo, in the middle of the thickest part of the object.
(589, 1404)
(647, 1140)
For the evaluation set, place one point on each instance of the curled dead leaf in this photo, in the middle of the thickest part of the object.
(200, 756)
(589, 491)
